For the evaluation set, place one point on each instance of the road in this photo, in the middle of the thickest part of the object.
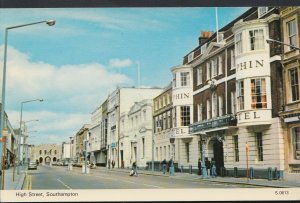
(57, 177)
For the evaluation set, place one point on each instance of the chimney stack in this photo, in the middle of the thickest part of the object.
(204, 36)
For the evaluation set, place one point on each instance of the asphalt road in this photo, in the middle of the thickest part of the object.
(58, 177)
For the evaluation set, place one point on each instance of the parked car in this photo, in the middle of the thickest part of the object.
(32, 165)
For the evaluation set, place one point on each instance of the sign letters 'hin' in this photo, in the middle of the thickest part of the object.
(250, 64)
(182, 96)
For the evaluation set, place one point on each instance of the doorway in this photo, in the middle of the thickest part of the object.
(218, 155)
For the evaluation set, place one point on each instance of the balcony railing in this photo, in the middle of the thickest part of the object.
(222, 121)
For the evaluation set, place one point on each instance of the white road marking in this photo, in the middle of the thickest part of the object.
(64, 184)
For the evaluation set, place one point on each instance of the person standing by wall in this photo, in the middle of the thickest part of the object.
(164, 165)
(199, 167)
(207, 164)
(213, 169)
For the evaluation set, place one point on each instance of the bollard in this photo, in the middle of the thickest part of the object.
(235, 172)
(181, 168)
(269, 173)
(251, 173)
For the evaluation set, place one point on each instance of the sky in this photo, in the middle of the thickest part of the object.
(76, 63)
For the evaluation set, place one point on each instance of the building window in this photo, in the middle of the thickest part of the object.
(294, 84)
(236, 148)
(207, 71)
(233, 103)
(208, 110)
(220, 65)
(220, 106)
(232, 59)
(199, 76)
(164, 121)
(169, 151)
(190, 57)
(174, 80)
(166, 99)
(296, 140)
(214, 67)
(185, 79)
(259, 146)
(185, 115)
(40, 152)
(187, 146)
(262, 11)
(258, 93)
(199, 110)
(238, 43)
(292, 34)
(203, 48)
(45, 151)
(157, 153)
(256, 39)
(214, 105)
(143, 147)
(165, 152)
(175, 117)
(241, 94)
(160, 153)
(55, 152)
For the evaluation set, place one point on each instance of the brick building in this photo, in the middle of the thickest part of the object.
(237, 87)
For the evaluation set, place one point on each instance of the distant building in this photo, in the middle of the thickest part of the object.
(81, 137)
(46, 154)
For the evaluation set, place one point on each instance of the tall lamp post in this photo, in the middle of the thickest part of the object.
(48, 22)
(70, 162)
(20, 133)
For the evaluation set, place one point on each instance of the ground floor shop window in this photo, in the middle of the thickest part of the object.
(259, 146)
(296, 140)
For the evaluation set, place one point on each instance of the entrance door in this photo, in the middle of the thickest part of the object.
(218, 155)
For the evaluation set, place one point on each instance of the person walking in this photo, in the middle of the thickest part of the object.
(134, 168)
(207, 165)
(213, 168)
(164, 165)
(199, 167)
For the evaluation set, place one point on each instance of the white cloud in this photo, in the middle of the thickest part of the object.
(118, 63)
(70, 93)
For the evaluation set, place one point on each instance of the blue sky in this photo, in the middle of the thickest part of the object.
(76, 63)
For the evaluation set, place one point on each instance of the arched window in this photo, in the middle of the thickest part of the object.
(40, 152)
(45, 151)
(55, 152)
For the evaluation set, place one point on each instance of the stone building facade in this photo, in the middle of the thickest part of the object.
(46, 153)
(290, 112)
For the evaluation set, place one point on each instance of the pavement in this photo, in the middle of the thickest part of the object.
(17, 182)
(290, 180)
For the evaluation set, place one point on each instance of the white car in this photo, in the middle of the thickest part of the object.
(32, 165)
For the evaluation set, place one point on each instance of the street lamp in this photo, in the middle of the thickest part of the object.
(70, 161)
(279, 42)
(48, 22)
(20, 135)
(204, 171)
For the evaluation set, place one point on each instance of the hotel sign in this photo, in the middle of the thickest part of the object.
(227, 120)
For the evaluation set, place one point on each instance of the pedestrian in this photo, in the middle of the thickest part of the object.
(113, 164)
(207, 165)
(108, 163)
(164, 165)
(213, 169)
(199, 167)
(134, 168)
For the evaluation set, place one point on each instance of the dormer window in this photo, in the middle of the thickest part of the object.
(190, 57)
(203, 48)
(262, 11)
(220, 36)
